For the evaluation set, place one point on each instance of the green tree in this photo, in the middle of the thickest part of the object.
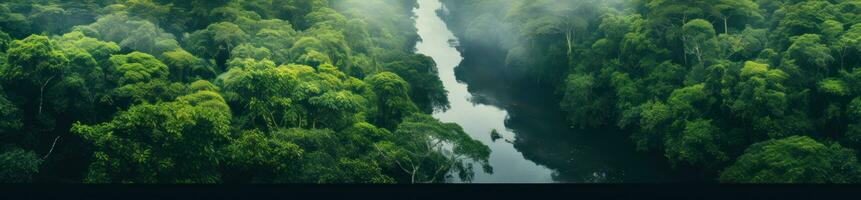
(811, 53)
(263, 158)
(698, 144)
(392, 99)
(186, 67)
(173, 142)
(266, 95)
(216, 41)
(136, 67)
(699, 40)
(796, 159)
(34, 65)
(581, 101)
(136, 35)
(336, 109)
(148, 10)
(419, 149)
(726, 9)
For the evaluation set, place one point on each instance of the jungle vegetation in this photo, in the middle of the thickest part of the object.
(751, 91)
(222, 91)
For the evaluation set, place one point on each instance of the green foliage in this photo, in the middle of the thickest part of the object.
(19, 166)
(184, 65)
(581, 89)
(270, 159)
(33, 60)
(165, 91)
(392, 99)
(10, 119)
(135, 35)
(222, 36)
(420, 72)
(808, 50)
(698, 80)
(796, 159)
(136, 67)
(427, 150)
(173, 142)
(698, 144)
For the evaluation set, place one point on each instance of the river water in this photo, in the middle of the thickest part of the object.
(537, 145)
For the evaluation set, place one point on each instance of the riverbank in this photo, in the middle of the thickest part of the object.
(542, 148)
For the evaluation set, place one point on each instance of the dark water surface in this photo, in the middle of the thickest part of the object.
(537, 146)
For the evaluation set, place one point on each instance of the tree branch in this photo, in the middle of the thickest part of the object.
(52, 148)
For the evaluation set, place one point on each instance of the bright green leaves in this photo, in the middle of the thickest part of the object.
(753, 69)
(263, 93)
(655, 117)
(796, 159)
(140, 77)
(174, 142)
(269, 158)
(834, 87)
(392, 99)
(685, 102)
(761, 100)
(428, 150)
(99, 50)
(336, 108)
(137, 67)
(286, 105)
(293, 95)
(34, 67)
(34, 60)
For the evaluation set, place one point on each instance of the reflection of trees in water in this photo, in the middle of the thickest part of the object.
(542, 134)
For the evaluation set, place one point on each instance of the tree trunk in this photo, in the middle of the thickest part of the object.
(52, 148)
(42, 93)
(568, 39)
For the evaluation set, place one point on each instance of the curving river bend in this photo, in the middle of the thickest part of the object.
(537, 144)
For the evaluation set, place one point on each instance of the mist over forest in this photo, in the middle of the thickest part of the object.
(752, 91)
(333, 91)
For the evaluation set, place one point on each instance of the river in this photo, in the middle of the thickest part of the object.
(537, 145)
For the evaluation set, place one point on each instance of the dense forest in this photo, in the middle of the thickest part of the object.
(332, 91)
(752, 91)
(222, 91)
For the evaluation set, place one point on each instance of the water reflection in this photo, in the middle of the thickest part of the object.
(536, 145)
